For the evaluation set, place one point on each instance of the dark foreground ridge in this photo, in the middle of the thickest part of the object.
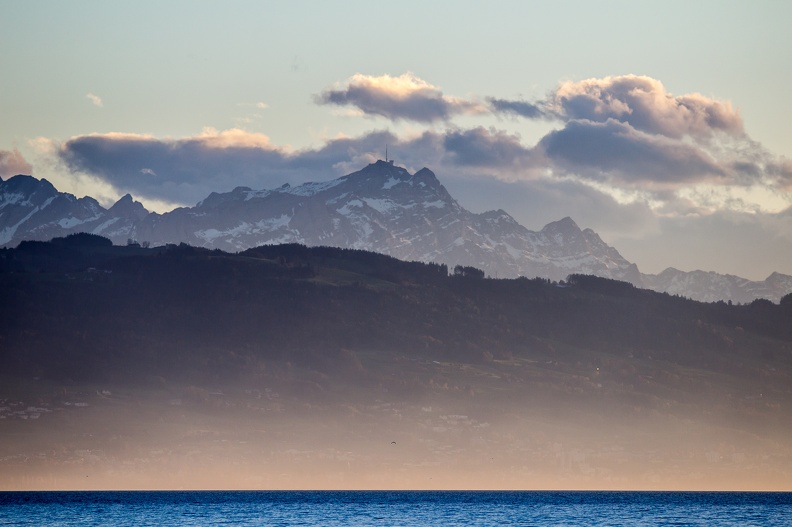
(291, 302)
(284, 331)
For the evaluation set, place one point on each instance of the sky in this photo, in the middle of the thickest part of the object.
(665, 127)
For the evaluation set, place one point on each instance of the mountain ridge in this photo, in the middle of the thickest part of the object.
(381, 208)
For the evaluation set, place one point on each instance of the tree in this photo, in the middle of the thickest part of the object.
(82, 239)
(786, 301)
(464, 271)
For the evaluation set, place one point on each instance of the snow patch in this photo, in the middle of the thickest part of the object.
(256, 194)
(12, 199)
(8, 233)
(336, 199)
(380, 205)
(274, 223)
(245, 229)
(392, 182)
(68, 223)
(101, 227)
(346, 210)
(312, 188)
(514, 253)
(211, 234)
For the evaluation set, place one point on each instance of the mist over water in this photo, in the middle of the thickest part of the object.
(240, 439)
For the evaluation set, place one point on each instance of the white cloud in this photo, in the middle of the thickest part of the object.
(95, 100)
(406, 97)
(12, 163)
(644, 103)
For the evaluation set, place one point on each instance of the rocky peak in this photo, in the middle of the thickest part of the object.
(128, 207)
(380, 170)
(27, 186)
(562, 231)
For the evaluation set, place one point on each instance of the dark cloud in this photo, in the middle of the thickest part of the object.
(187, 170)
(612, 149)
(644, 103)
(486, 148)
(518, 108)
(780, 171)
(12, 163)
(405, 97)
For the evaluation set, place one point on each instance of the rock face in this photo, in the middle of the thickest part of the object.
(381, 208)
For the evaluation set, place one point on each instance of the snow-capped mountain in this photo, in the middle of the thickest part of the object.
(32, 209)
(381, 208)
(384, 208)
(711, 287)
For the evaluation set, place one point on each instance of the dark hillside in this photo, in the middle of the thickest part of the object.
(324, 326)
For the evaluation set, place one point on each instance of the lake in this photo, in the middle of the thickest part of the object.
(397, 508)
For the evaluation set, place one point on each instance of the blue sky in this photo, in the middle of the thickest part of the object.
(664, 127)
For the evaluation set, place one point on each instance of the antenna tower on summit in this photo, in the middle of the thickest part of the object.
(386, 153)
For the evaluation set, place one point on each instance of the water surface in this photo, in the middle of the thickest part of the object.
(404, 509)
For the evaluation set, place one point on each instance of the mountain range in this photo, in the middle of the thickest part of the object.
(381, 208)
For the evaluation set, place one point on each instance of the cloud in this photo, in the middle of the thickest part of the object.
(186, 169)
(95, 100)
(627, 130)
(615, 150)
(780, 172)
(262, 105)
(517, 108)
(643, 103)
(487, 148)
(13, 163)
(611, 156)
(631, 133)
(406, 97)
(190, 168)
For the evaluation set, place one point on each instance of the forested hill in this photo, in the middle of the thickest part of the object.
(81, 307)
(135, 367)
